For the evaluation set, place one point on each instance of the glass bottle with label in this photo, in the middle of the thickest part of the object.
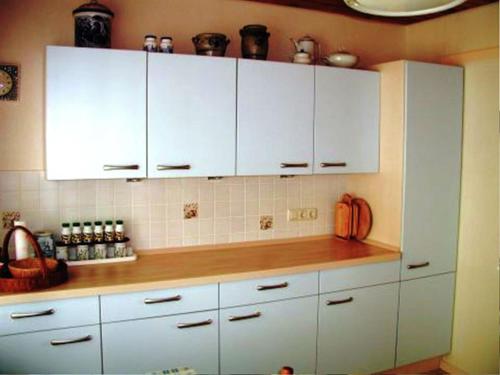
(119, 230)
(76, 234)
(65, 234)
(98, 232)
(109, 233)
(88, 234)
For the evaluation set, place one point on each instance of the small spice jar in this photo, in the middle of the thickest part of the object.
(166, 44)
(88, 234)
(120, 249)
(76, 234)
(100, 250)
(61, 251)
(72, 253)
(82, 251)
(119, 230)
(65, 233)
(109, 232)
(110, 251)
(98, 232)
(150, 43)
(91, 251)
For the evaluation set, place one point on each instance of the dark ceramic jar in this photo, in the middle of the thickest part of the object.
(254, 42)
(210, 44)
(93, 25)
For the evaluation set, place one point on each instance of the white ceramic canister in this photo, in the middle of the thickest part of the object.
(21, 241)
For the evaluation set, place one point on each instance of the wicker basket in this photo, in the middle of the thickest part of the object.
(29, 274)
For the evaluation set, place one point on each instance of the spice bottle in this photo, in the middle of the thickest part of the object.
(166, 44)
(76, 234)
(119, 230)
(65, 234)
(109, 233)
(88, 234)
(98, 232)
(150, 43)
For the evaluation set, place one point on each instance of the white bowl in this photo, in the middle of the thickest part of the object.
(341, 59)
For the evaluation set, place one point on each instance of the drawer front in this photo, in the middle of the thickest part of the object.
(359, 276)
(269, 289)
(29, 317)
(78, 352)
(260, 339)
(147, 345)
(158, 303)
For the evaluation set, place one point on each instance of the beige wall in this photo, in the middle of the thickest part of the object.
(27, 26)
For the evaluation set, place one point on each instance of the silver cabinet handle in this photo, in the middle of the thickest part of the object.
(108, 167)
(328, 165)
(32, 314)
(419, 265)
(151, 301)
(340, 301)
(70, 341)
(244, 317)
(269, 287)
(161, 167)
(294, 165)
(197, 324)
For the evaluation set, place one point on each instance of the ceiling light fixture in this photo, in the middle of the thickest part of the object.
(402, 8)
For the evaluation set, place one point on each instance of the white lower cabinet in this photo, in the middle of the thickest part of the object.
(146, 345)
(425, 318)
(61, 351)
(357, 330)
(260, 339)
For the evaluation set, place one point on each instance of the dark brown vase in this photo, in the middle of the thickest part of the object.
(254, 42)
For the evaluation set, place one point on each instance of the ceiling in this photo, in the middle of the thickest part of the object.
(338, 6)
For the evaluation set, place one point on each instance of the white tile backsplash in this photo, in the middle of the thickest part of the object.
(229, 210)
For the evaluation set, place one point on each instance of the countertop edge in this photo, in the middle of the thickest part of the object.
(46, 295)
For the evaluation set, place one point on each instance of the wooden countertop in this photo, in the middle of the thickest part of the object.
(211, 264)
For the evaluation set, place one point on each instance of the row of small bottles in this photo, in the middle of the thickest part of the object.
(110, 233)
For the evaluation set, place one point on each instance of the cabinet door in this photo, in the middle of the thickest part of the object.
(346, 123)
(260, 339)
(191, 116)
(275, 118)
(143, 346)
(95, 113)
(62, 351)
(431, 191)
(425, 318)
(357, 330)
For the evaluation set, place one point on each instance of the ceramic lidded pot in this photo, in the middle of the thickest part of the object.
(210, 44)
(254, 42)
(93, 25)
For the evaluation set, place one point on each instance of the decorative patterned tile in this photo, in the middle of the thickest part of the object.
(266, 222)
(190, 210)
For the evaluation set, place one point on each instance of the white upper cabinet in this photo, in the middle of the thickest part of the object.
(191, 116)
(432, 165)
(95, 113)
(275, 118)
(346, 123)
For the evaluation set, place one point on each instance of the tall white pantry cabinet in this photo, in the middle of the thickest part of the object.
(432, 144)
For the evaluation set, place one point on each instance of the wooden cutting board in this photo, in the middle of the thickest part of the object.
(364, 218)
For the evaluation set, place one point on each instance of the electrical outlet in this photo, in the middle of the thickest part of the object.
(302, 214)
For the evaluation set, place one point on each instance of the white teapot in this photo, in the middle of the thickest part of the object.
(308, 45)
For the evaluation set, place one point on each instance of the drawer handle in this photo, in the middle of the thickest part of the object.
(151, 301)
(197, 324)
(339, 301)
(419, 265)
(339, 164)
(294, 165)
(70, 341)
(269, 287)
(245, 317)
(32, 314)
(108, 167)
(161, 167)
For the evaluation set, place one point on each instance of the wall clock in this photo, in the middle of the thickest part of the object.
(9, 81)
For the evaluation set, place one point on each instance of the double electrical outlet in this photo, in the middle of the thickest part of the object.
(302, 214)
